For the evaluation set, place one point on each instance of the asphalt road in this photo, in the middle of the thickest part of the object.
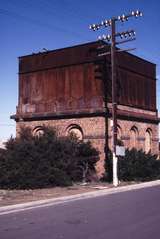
(126, 215)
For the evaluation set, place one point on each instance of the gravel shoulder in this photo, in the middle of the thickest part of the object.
(12, 197)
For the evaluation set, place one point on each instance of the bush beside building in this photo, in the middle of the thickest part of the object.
(136, 165)
(45, 160)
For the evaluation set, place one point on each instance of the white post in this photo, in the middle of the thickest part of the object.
(115, 176)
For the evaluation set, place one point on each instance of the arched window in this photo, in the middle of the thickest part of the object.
(133, 137)
(119, 135)
(38, 131)
(119, 132)
(76, 130)
(148, 140)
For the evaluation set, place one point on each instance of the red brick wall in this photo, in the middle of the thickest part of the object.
(94, 130)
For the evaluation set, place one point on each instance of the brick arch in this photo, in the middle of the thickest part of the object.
(134, 127)
(149, 130)
(133, 134)
(76, 129)
(38, 130)
(119, 131)
(148, 140)
(144, 129)
(127, 128)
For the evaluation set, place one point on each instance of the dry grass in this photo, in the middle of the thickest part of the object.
(11, 197)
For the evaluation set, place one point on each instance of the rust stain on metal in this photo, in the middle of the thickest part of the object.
(64, 80)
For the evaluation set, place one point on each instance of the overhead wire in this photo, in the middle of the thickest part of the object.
(37, 22)
(81, 13)
(7, 125)
(45, 7)
(72, 12)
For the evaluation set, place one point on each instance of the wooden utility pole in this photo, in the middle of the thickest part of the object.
(112, 38)
(114, 100)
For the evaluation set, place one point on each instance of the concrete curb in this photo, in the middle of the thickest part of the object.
(65, 199)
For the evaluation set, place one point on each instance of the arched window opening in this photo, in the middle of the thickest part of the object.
(148, 140)
(119, 132)
(133, 137)
(76, 130)
(38, 131)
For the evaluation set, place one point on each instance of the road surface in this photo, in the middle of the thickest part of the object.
(126, 215)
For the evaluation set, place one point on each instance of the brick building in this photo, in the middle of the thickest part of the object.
(59, 88)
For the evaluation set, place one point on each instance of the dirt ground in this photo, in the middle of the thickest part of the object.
(11, 197)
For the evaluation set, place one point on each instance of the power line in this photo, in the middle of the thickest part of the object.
(71, 11)
(8, 125)
(37, 22)
(51, 10)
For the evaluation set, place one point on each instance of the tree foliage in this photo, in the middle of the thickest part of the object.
(136, 165)
(45, 161)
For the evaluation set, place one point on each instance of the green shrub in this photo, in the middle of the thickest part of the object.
(45, 161)
(135, 166)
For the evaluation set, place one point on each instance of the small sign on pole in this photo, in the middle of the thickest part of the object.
(120, 150)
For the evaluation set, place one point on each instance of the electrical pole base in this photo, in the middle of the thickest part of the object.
(115, 176)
